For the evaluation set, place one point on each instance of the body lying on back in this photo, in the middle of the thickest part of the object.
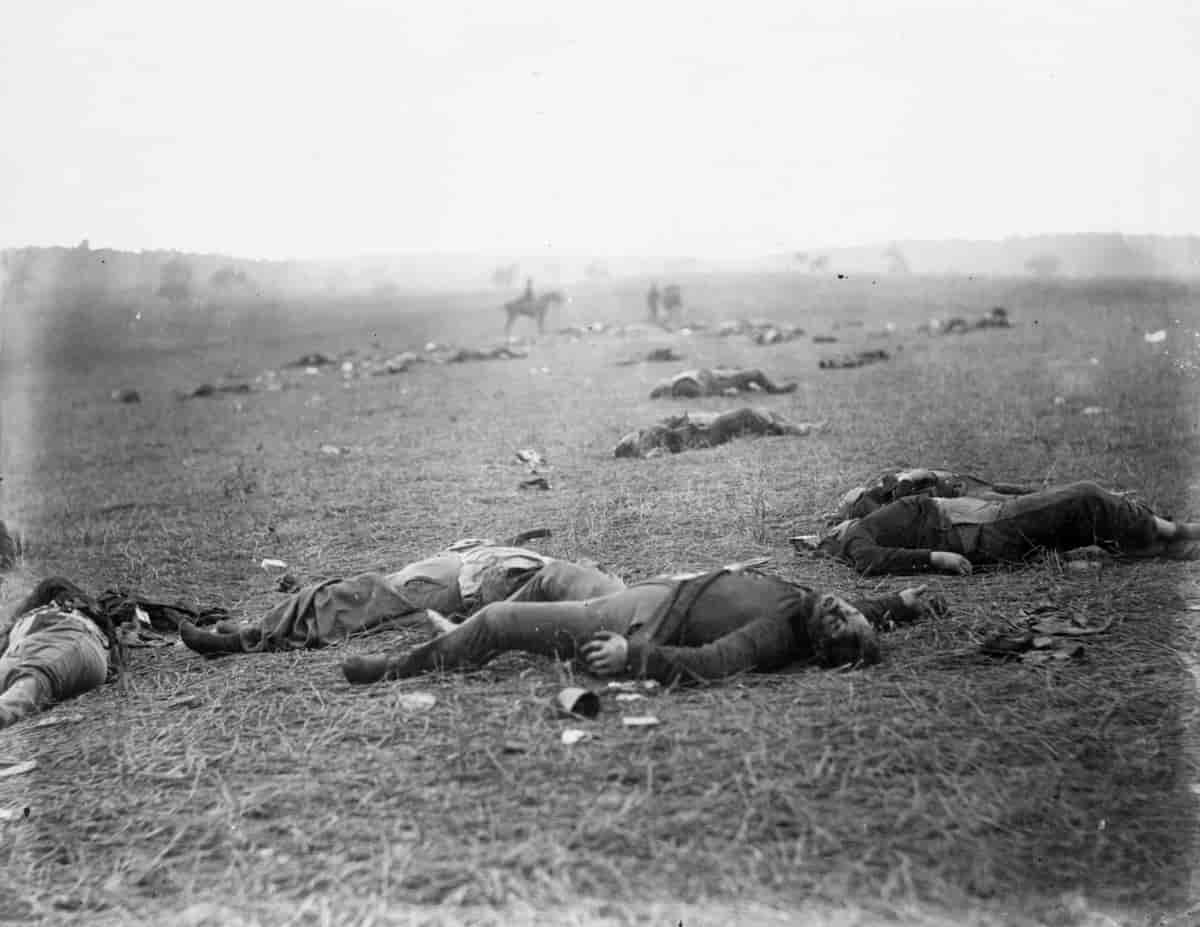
(698, 627)
(717, 381)
(723, 623)
(55, 644)
(458, 580)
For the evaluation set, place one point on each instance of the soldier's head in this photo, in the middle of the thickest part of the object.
(840, 634)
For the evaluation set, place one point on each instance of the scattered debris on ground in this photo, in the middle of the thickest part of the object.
(576, 702)
(18, 769)
(1047, 632)
(635, 685)
(56, 719)
(531, 458)
(416, 701)
(535, 463)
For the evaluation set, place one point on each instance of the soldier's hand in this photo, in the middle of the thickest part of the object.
(606, 653)
(924, 604)
(950, 563)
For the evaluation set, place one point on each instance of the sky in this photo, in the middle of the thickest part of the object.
(332, 129)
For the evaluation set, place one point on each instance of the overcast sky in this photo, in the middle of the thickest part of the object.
(311, 129)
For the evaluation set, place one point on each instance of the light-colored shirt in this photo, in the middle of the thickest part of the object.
(479, 562)
(53, 616)
(469, 563)
(966, 510)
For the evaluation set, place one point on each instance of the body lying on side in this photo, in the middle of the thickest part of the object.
(694, 430)
(922, 532)
(718, 381)
(898, 483)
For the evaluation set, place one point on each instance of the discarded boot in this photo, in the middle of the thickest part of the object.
(202, 641)
(1182, 549)
(362, 670)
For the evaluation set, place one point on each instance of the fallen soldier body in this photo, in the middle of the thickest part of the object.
(653, 356)
(760, 331)
(717, 381)
(923, 532)
(858, 359)
(698, 627)
(957, 325)
(919, 481)
(694, 430)
(56, 645)
(462, 355)
(468, 574)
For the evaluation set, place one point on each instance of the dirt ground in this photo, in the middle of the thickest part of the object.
(939, 787)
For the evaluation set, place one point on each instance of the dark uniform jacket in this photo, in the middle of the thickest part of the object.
(722, 623)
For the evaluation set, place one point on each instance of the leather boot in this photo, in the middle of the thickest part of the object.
(364, 669)
(203, 641)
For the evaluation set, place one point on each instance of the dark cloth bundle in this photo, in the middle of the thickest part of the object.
(120, 605)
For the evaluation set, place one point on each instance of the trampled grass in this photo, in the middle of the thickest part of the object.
(940, 787)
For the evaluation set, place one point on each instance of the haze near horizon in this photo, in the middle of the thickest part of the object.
(268, 130)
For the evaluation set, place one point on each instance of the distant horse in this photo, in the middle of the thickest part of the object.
(534, 307)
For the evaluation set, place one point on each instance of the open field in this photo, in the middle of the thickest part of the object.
(938, 787)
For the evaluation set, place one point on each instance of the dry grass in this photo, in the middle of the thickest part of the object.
(938, 788)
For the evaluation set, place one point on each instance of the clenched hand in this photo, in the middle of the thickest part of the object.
(606, 653)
